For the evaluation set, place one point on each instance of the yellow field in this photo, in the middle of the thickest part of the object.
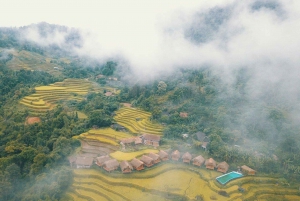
(120, 156)
(45, 97)
(171, 181)
(137, 121)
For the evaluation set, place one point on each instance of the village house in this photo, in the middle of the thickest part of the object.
(176, 155)
(198, 161)
(247, 170)
(100, 160)
(150, 139)
(155, 157)
(147, 160)
(183, 114)
(222, 167)
(84, 162)
(111, 165)
(187, 157)
(210, 163)
(163, 155)
(126, 167)
(137, 164)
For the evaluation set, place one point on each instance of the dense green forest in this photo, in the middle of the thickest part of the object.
(258, 132)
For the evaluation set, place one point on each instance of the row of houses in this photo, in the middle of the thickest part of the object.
(151, 159)
(147, 139)
(148, 160)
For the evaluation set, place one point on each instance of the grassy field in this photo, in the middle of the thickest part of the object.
(46, 97)
(172, 181)
(129, 156)
(137, 121)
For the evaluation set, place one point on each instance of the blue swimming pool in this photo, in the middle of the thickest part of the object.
(223, 179)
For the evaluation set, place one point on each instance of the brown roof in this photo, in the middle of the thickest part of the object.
(176, 153)
(108, 93)
(199, 158)
(245, 167)
(153, 156)
(162, 154)
(102, 159)
(84, 161)
(183, 114)
(126, 104)
(136, 163)
(223, 165)
(125, 164)
(146, 159)
(187, 156)
(211, 161)
(151, 137)
(111, 163)
(138, 140)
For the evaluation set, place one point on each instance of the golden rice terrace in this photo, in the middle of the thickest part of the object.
(137, 121)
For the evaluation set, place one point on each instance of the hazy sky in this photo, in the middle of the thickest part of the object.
(155, 35)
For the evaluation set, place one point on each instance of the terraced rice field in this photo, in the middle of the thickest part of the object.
(137, 121)
(107, 135)
(170, 181)
(120, 156)
(46, 96)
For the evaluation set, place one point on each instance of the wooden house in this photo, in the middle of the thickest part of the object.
(147, 160)
(111, 165)
(222, 167)
(183, 114)
(163, 155)
(247, 170)
(187, 157)
(137, 164)
(100, 160)
(155, 157)
(83, 162)
(210, 163)
(152, 140)
(176, 155)
(126, 167)
(198, 161)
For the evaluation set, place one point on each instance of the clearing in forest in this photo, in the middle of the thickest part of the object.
(137, 121)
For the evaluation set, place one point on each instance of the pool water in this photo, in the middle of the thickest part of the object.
(223, 179)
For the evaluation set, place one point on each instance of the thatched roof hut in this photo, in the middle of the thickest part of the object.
(223, 167)
(83, 162)
(187, 157)
(163, 155)
(147, 160)
(210, 163)
(175, 155)
(155, 157)
(100, 160)
(150, 139)
(247, 170)
(126, 167)
(199, 160)
(137, 164)
(111, 165)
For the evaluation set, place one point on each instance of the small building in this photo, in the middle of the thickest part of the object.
(55, 68)
(137, 164)
(108, 93)
(147, 160)
(111, 165)
(72, 161)
(138, 140)
(247, 170)
(83, 162)
(187, 157)
(155, 157)
(198, 161)
(204, 145)
(183, 114)
(210, 164)
(100, 160)
(150, 139)
(176, 155)
(164, 156)
(222, 167)
(126, 167)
